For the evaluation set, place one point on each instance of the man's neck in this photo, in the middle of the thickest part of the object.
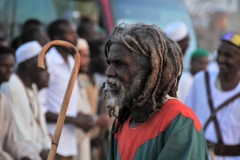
(229, 81)
(64, 53)
(25, 79)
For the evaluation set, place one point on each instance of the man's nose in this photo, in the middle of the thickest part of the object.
(111, 72)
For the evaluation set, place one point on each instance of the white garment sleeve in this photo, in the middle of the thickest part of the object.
(191, 98)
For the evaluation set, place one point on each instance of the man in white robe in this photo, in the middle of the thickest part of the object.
(10, 148)
(199, 62)
(21, 93)
(224, 84)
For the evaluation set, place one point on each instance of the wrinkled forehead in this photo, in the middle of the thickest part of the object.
(119, 53)
(118, 50)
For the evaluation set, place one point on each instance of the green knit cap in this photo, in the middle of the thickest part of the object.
(200, 52)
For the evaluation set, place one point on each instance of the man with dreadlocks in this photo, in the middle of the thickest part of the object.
(143, 74)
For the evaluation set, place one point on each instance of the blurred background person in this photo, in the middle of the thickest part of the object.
(96, 72)
(178, 32)
(10, 148)
(21, 92)
(214, 97)
(33, 29)
(89, 30)
(199, 62)
(36, 34)
(86, 85)
(60, 63)
(3, 41)
(83, 139)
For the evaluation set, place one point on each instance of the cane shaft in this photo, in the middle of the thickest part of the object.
(67, 96)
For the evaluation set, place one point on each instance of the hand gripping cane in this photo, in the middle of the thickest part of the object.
(68, 92)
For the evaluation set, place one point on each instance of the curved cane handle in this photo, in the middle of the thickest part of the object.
(68, 92)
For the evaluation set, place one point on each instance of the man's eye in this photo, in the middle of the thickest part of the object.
(119, 64)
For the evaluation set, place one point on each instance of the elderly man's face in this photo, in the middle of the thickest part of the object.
(124, 80)
(228, 58)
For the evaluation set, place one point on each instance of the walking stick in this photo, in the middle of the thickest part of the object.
(68, 92)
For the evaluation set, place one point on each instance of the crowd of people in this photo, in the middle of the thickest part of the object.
(31, 98)
(162, 110)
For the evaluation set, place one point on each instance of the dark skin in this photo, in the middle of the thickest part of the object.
(28, 76)
(98, 60)
(228, 60)
(6, 66)
(43, 78)
(41, 36)
(184, 43)
(69, 34)
(198, 64)
(123, 65)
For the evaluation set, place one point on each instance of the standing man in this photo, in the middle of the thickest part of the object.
(199, 62)
(60, 63)
(21, 93)
(10, 148)
(143, 74)
(214, 97)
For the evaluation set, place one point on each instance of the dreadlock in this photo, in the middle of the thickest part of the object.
(164, 58)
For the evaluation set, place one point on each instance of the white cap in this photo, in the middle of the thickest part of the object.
(82, 44)
(176, 30)
(27, 50)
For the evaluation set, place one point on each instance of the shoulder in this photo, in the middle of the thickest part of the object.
(172, 109)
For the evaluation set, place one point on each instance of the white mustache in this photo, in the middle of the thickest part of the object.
(114, 82)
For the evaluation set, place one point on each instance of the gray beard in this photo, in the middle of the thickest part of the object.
(125, 96)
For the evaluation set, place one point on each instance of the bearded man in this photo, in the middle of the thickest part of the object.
(143, 73)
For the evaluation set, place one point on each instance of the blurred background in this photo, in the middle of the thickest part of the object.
(207, 20)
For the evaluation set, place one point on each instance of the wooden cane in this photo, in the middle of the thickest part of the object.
(64, 107)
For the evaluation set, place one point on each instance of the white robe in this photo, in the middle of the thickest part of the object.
(228, 117)
(184, 86)
(10, 148)
(29, 119)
